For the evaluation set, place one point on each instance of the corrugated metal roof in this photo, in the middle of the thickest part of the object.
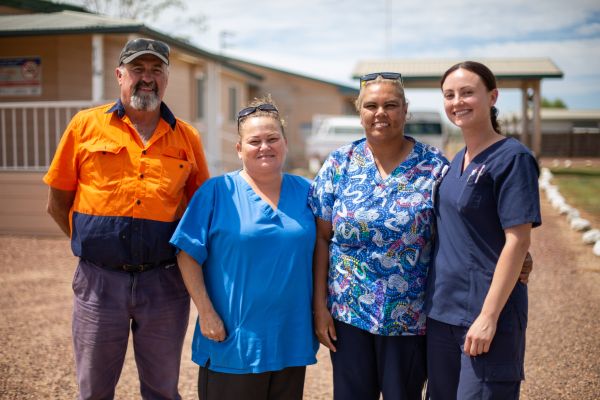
(64, 21)
(344, 89)
(70, 22)
(510, 68)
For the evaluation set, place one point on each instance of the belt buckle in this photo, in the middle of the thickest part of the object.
(132, 268)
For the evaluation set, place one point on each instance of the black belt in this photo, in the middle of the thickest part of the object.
(171, 262)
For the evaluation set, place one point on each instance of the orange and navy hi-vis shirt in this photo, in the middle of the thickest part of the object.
(129, 196)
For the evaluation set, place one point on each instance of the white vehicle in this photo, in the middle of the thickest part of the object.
(330, 132)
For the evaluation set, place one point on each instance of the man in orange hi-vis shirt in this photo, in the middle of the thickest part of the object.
(119, 182)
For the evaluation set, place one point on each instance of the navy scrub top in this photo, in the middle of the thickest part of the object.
(497, 190)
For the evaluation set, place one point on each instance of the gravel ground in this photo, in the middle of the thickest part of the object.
(36, 362)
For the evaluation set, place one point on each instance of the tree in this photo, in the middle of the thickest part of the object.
(132, 9)
(143, 10)
(556, 103)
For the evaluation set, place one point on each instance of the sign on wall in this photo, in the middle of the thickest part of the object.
(21, 76)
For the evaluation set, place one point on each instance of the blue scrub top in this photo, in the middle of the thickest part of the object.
(496, 191)
(257, 265)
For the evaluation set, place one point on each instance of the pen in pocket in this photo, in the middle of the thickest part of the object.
(479, 173)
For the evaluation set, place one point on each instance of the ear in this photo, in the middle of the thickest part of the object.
(238, 148)
(493, 96)
(119, 74)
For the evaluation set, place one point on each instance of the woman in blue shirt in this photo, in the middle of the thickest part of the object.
(372, 200)
(246, 243)
(486, 206)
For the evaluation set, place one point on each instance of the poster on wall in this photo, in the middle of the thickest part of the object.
(21, 76)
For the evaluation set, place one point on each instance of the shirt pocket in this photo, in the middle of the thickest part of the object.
(175, 170)
(474, 191)
(103, 165)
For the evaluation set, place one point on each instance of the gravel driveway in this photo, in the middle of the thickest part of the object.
(36, 362)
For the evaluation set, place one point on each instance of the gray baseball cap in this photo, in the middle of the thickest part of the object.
(138, 47)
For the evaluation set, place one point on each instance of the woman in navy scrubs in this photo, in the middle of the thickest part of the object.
(486, 206)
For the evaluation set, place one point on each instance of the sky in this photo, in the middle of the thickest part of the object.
(326, 38)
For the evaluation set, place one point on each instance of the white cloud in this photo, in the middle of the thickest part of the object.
(326, 38)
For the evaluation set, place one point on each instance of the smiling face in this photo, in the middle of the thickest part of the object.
(467, 100)
(143, 82)
(382, 112)
(262, 146)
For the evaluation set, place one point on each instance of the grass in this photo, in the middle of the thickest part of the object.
(581, 187)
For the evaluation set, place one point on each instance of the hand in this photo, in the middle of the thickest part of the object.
(526, 269)
(324, 327)
(480, 335)
(212, 327)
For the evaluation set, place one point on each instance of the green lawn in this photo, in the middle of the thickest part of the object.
(580, 187)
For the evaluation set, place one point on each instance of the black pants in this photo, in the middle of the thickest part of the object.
(366, 365)
(286, 384)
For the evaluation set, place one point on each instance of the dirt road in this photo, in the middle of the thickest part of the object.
(36, 362)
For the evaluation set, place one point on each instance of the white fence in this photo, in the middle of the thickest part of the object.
(30, 132)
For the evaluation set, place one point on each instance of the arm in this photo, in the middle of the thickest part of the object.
(322, 317)
(482, 331)
(59, 206)
(211, 324)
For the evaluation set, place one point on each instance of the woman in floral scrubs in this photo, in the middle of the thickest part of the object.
(375, 224)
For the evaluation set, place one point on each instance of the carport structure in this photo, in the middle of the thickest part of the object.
(525, 74)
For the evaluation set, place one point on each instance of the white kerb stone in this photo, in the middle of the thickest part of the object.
(592, 236)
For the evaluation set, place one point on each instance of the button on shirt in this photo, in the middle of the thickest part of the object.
(382, 236)
(129, 197)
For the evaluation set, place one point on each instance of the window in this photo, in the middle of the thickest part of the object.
(233, 104)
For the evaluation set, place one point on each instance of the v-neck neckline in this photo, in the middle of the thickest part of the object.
(475, 160)
(265, 207)
(395, 172)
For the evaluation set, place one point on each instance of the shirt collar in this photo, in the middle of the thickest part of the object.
(165, 112)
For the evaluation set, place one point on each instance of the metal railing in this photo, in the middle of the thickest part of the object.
(31, 131)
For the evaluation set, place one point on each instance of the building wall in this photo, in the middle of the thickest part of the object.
(299, 99)
(229, 136)
(66, 74)
(23, 201)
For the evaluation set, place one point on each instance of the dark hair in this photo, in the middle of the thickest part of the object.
(488, 79)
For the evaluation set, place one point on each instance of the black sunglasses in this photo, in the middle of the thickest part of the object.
(145, 44)
(385, 75)
(244, 112)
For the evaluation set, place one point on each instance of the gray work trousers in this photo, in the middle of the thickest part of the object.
(108, 304)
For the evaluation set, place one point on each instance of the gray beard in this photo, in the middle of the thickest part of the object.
(145, 102)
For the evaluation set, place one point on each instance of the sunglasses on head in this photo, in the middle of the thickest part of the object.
(146, 44)
(385, 75)
(244, 112)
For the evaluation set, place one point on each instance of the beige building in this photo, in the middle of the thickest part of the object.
(57, 59)
(565, 133)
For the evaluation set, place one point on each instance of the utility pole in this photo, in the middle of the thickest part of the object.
(223, 40)
(388, 29)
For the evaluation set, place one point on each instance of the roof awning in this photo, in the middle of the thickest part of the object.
(426, 73)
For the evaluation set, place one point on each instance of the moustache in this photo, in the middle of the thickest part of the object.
(145, 85)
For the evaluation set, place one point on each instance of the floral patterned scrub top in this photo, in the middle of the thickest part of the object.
(382, 240)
